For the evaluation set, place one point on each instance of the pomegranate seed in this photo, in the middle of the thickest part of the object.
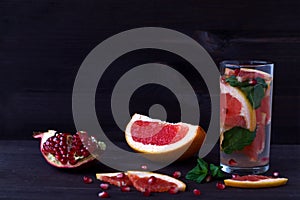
(234, 176)
(144, 167)
(151, 180)
(232, 162)
(147, 193)
(125, 189)
(121, 175)
(275, 174)
(104, 186)
(87, 179)
(72, 161)
(208, 178)
(63, 161)
(220, 186)
(252, 82)
(236, 72)
(103, 194)
(86, 153)
(173, 190)
(265, 159)
(176, 174)
(196, 192)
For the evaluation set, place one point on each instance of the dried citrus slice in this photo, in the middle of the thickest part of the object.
(236, 109)
(255, 181)
(162, 140)
(154, 182)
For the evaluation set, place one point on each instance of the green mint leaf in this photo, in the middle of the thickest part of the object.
(216, 171)
(236, 138)
(195, 177)
(232, 80)
(253, 93)
(262, 82)
(199, 172)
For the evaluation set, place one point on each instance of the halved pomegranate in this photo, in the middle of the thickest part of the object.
(64, 150)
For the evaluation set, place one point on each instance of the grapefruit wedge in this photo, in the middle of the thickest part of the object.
(154, 182)
(142, 181)
(255, 181)
(118, 179)
(163, 141)
(236, 109)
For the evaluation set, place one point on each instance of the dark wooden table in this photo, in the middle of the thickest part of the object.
(24, 174)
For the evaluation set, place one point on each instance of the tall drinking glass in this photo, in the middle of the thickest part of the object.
(245, 116)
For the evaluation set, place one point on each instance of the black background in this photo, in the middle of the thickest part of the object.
(43, 43)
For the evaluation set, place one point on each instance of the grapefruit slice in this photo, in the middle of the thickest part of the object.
(236, 109)
(154, 182)
(118, 179)
(142, 181)
(255, 181)
(162, 140)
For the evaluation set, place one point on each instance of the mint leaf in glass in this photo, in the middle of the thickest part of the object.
(236, 138)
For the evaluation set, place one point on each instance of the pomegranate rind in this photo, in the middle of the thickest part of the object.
(188, 146)
(265, 183)
(181, 186)
(51, 159)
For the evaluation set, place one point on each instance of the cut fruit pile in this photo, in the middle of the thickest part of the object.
(143, 181)
(255, 181)
(236, 110)
(162, 139)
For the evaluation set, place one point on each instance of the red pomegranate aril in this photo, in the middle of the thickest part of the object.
(275, 174)
(176, 174)
(72, 161)
(236, 72)
(63, 161)
(144, 167)
(151, 179)
(147, 193)
(104, 186)
(125, 189)
(120, 176)
(173, 190)
(87, 179)
(252, 82)
(103, 194)
(234, 176)
(232, 162)
(220, 186)
(58, 156)
(196, 192)
(86, 154)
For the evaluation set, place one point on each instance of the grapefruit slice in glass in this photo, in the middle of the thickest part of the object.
(161, 140)
(255, 181)
(236, 109)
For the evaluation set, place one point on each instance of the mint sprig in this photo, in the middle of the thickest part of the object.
(202, 170)
(236, 138)
(254, 93)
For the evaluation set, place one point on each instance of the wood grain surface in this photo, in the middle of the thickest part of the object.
(26, 175)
